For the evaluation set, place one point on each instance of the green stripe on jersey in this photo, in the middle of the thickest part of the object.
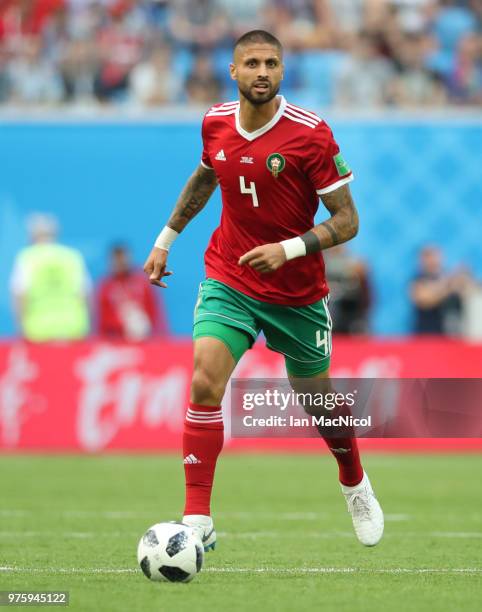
(342, 167)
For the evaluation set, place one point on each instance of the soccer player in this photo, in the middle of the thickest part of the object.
(264, 269)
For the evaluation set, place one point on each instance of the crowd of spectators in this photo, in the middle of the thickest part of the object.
(54, 297)
(346, 53)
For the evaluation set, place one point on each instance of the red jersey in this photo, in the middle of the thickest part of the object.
(270, 181)
(127, 307)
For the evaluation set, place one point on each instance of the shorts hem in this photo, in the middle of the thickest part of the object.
(271, 348)
(311, 374)
(214, 316)
(221, 339)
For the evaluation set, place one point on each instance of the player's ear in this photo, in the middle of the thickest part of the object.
(232, 71)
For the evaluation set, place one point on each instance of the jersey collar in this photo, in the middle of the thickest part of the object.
(266, 127)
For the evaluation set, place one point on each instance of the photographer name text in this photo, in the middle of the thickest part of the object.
(309, 421)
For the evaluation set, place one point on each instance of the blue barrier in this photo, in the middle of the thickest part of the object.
(416, 182)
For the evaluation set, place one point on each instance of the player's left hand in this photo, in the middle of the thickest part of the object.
(266, 258)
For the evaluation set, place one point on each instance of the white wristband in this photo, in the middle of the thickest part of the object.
(294, 247)
(166, 238)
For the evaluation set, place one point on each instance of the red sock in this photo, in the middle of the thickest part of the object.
(202, 443)
(343, 446)
(345, 451)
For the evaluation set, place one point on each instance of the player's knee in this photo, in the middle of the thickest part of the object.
(206, 388)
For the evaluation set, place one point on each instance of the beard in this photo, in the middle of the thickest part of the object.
(259, 99)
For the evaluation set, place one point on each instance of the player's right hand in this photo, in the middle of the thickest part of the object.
(155, 267)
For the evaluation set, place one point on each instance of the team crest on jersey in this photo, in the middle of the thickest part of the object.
(275, 163)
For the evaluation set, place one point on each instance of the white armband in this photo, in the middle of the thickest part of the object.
(294, 247)
(166, 238)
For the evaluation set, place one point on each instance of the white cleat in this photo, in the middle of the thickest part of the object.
(366, 512)
(204, 527)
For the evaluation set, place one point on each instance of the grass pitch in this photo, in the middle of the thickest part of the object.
(285, 540)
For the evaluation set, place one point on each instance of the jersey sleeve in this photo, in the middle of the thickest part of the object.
(205, 159)
(326, 167)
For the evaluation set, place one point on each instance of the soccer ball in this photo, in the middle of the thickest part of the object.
(170, 552)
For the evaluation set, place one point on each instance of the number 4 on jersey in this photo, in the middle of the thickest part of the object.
(251, 190)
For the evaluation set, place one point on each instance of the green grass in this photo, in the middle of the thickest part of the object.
(63, 517)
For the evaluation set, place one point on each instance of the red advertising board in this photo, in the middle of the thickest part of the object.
(95, 396)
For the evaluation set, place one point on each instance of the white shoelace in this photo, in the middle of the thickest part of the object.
(358, 505)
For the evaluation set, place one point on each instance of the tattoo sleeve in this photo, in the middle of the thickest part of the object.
(193, 198)
(343, 224)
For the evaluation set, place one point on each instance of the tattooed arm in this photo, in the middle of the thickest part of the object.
(342, 226)
(192, 200)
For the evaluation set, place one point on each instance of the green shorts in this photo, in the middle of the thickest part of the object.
(301, 333)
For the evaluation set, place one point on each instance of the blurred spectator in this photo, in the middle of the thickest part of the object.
(465, 82)
(32, 79)
(301, 24)
(198, 24)
(4, 78)
(349, 15)
(50, 286)
(437, 297)
(412, 15)
(202, 86)
(25, 17)
(452, 22)
(119, 50)
(126, 303)
(350, 291)
(78, 68)
(415, 86)
(243, 16)
(87, 19)
(153, 81)
(365, 78)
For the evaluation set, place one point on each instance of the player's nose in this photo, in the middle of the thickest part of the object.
(262, 71)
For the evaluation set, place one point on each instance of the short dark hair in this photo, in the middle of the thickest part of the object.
(258, 36)
(118, 248)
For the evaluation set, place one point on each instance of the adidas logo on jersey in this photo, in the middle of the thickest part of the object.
(247, 160)
(192, 459)
(220, 156)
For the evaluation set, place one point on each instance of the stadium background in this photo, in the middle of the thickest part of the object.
(80, 138)
(417, 180)
(100, 110)
(97, 130)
